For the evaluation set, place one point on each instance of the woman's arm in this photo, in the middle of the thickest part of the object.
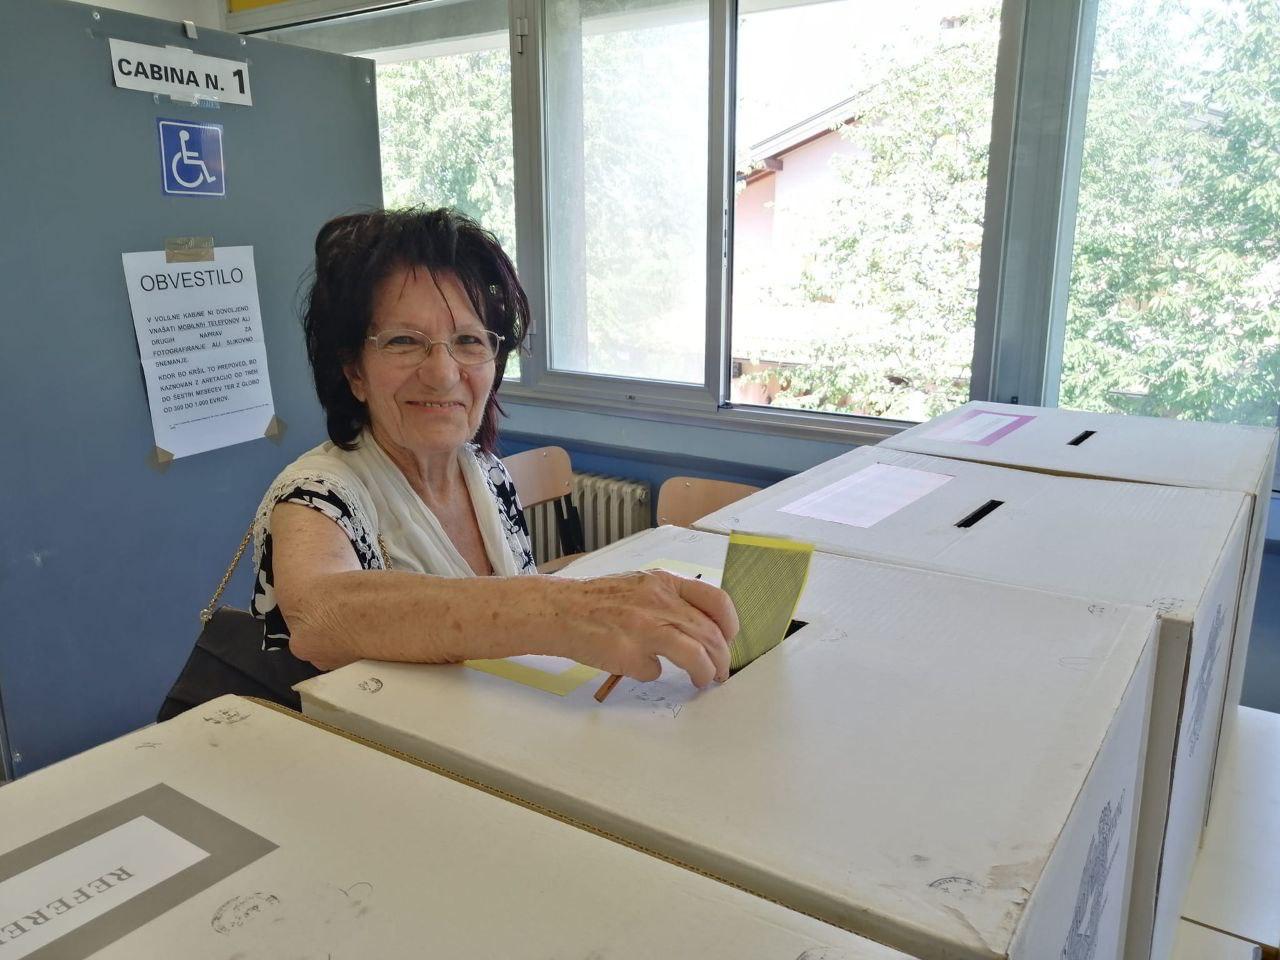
(338, 613)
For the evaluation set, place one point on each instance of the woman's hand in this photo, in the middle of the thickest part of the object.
(623, 623)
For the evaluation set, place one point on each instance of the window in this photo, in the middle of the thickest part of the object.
(862, 143)
(1039, 201)
(1174, 305)
(444, 106)
(626, 188)
(444, 124)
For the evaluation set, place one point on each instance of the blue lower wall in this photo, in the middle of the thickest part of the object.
(653, 469)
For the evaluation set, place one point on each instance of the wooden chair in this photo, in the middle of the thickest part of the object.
(684, 500)
(544, 474)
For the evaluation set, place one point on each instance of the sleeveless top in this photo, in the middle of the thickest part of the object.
(367, 496)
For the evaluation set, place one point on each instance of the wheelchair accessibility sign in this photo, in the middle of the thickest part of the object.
(191, 154)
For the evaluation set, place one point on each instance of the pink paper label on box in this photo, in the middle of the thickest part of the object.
(983, 427)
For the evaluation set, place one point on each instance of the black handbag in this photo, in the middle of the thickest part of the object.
(228, 658)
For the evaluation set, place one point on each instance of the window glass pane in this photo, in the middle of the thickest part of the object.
(626, 144)
(1174, 302)
(860, 194)
(445, 130)
(444, 106)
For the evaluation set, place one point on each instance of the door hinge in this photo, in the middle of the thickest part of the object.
(522, 31)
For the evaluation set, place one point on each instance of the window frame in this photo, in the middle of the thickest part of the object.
(1041, 86)
(1030, 225)
(539, 381)
(1029, 28)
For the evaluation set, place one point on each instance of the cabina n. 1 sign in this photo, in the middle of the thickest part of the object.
(179, 73)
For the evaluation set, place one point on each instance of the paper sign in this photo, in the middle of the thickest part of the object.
(865, 498)
(199, 330)
(979, 426)
(179, 73)
(191, 160)
(67, 891)
(557, 675)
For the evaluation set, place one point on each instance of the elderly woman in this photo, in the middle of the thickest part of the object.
(402, 538)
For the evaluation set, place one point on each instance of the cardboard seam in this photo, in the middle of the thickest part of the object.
(1173, 771)
(1235, 630)
(1153, 639)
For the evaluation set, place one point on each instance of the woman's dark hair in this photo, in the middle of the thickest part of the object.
(355, 253)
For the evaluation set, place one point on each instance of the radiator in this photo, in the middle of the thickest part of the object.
(611, 508)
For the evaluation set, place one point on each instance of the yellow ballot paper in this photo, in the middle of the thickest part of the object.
(764, 576)
(556, 675)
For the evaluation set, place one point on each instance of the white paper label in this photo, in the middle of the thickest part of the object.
(975, 429)
(67, 891)
(865, 498)
(179, 73)
(199, 329)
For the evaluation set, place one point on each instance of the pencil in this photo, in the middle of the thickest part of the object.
(606, 688)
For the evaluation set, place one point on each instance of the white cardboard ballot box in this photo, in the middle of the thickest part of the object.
(943, 765)
(1235, 886)
(240, 830)
(1177, 550)
(1180, 453)
(1200, 943)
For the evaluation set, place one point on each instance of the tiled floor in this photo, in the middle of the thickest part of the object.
(1262, 669)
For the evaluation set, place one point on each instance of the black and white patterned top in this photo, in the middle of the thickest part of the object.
(320, 495)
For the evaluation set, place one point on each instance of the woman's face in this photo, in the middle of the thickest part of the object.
(436, 406)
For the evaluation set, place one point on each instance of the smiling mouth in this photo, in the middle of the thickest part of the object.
(441, 405)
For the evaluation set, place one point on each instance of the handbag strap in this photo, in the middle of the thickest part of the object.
(207, 613)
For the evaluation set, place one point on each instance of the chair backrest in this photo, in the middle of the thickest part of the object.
(684, 500)
(545, 475)
(540, 474)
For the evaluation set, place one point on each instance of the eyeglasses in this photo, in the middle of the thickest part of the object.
(409, 347)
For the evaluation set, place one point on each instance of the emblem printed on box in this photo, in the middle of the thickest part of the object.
(1091, 901)
(1204, 679)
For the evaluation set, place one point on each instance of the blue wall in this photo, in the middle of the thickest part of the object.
(105, 562)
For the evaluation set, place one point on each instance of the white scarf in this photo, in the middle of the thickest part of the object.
(384, 504)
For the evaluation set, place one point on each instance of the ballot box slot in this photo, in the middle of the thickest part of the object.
(981, 512)
(793, 627)
(1081, 438)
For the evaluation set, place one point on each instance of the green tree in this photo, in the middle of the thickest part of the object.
(644, 151)
(445, 132)
(1174, 305)
(905, 241)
